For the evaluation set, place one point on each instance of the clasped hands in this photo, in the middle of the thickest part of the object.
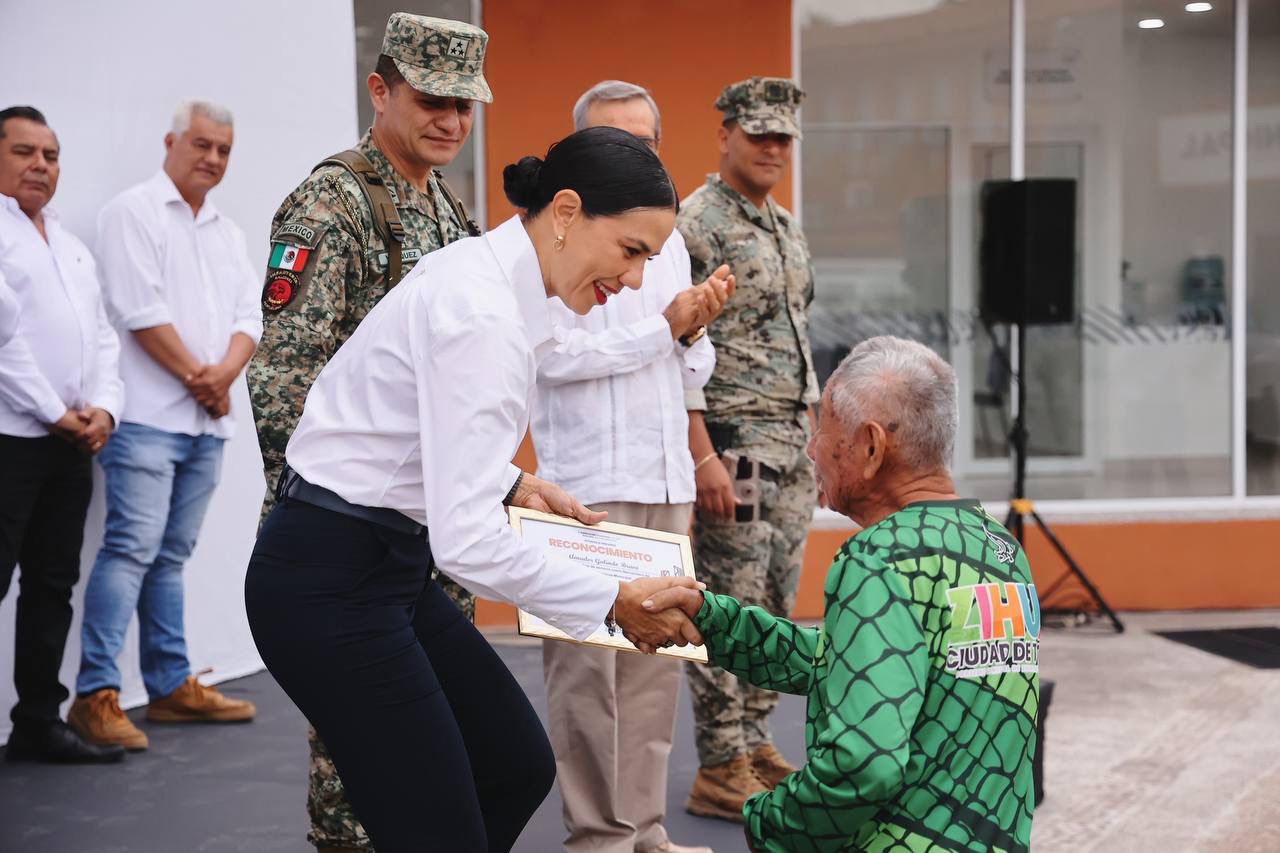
(210, 385)
(87, 428)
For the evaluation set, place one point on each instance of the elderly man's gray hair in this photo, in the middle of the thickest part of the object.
(615, 90)
(188, 110)
(905, 387)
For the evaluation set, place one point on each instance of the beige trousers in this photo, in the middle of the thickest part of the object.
(611, 717)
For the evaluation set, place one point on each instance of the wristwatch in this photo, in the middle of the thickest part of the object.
(693, 337)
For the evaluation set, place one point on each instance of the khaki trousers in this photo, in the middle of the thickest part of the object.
(611, 718)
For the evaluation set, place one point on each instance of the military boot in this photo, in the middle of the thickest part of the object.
(770, 766)
(721, 791)
(97, 718)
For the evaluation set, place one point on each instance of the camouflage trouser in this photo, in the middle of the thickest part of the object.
(333, 822)
(759, 563)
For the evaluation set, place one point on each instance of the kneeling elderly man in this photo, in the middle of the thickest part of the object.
(922, 678)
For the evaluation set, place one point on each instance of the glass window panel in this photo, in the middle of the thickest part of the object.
(1134, 399)
(1262, 248)
(902, 95)
(907, 116)
(1054, 359)
(876, 223)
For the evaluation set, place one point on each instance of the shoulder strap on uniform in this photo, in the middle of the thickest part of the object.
(385, 218)
(459, 210)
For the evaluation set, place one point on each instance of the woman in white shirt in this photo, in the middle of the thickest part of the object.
(401, 457)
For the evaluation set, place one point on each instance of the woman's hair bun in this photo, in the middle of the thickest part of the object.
(520, 182)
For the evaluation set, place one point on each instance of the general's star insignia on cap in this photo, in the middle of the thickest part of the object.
(438, 56)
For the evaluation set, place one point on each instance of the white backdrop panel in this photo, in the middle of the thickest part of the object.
(108, 76)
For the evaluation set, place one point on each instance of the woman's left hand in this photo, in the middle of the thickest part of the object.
(535, 493)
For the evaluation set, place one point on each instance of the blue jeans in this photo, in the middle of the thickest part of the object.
(158, 488)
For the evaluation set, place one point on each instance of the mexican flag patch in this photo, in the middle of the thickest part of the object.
(288, 257)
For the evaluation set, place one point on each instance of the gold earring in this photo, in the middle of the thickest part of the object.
(559, 242)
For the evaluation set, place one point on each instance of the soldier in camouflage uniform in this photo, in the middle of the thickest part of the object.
(330, 263)
(756, 489)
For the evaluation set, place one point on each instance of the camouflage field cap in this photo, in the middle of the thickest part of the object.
(763, 105)
(438, 56)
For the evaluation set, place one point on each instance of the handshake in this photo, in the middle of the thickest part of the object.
(656, 613)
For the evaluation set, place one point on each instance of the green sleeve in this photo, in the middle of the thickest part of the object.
(870, 687)
(753, 644)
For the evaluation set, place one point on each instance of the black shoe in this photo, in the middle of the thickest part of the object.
(58, 744)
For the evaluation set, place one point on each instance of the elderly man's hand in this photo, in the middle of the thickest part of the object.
(545, 496)
(650, 630)
(681, 598)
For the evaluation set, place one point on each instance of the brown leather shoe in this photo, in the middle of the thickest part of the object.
(721, 791)
(97, 718)
(770, 766)
(193, 702)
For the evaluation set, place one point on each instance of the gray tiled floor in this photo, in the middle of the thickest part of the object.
(240, 788)
(1156, 746)
(1152, 746)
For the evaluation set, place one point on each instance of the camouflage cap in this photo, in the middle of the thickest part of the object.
(763, 105)
(438, 56)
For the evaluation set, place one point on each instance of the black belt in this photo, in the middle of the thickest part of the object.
(292, 485)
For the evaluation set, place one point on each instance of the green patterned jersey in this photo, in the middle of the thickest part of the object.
(922, 688)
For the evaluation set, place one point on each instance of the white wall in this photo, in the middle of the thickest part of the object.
(107, 76)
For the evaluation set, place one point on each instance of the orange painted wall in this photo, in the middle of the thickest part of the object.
(1136, 566)
(543, 55)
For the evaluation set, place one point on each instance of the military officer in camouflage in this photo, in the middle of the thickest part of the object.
(340, 241)
(755, 484)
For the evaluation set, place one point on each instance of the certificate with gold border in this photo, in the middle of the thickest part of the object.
(616, 550)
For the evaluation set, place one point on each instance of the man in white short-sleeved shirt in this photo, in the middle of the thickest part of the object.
(610, 425)
(60, 398)
(182, 292)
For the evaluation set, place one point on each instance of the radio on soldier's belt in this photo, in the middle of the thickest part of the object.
(747, 476)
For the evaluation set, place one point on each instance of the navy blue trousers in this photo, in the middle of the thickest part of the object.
(437, 746)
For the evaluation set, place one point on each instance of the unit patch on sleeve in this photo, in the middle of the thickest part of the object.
(289, 268)
(282, 286)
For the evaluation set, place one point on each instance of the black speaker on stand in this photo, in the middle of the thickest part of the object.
(1027, 277)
